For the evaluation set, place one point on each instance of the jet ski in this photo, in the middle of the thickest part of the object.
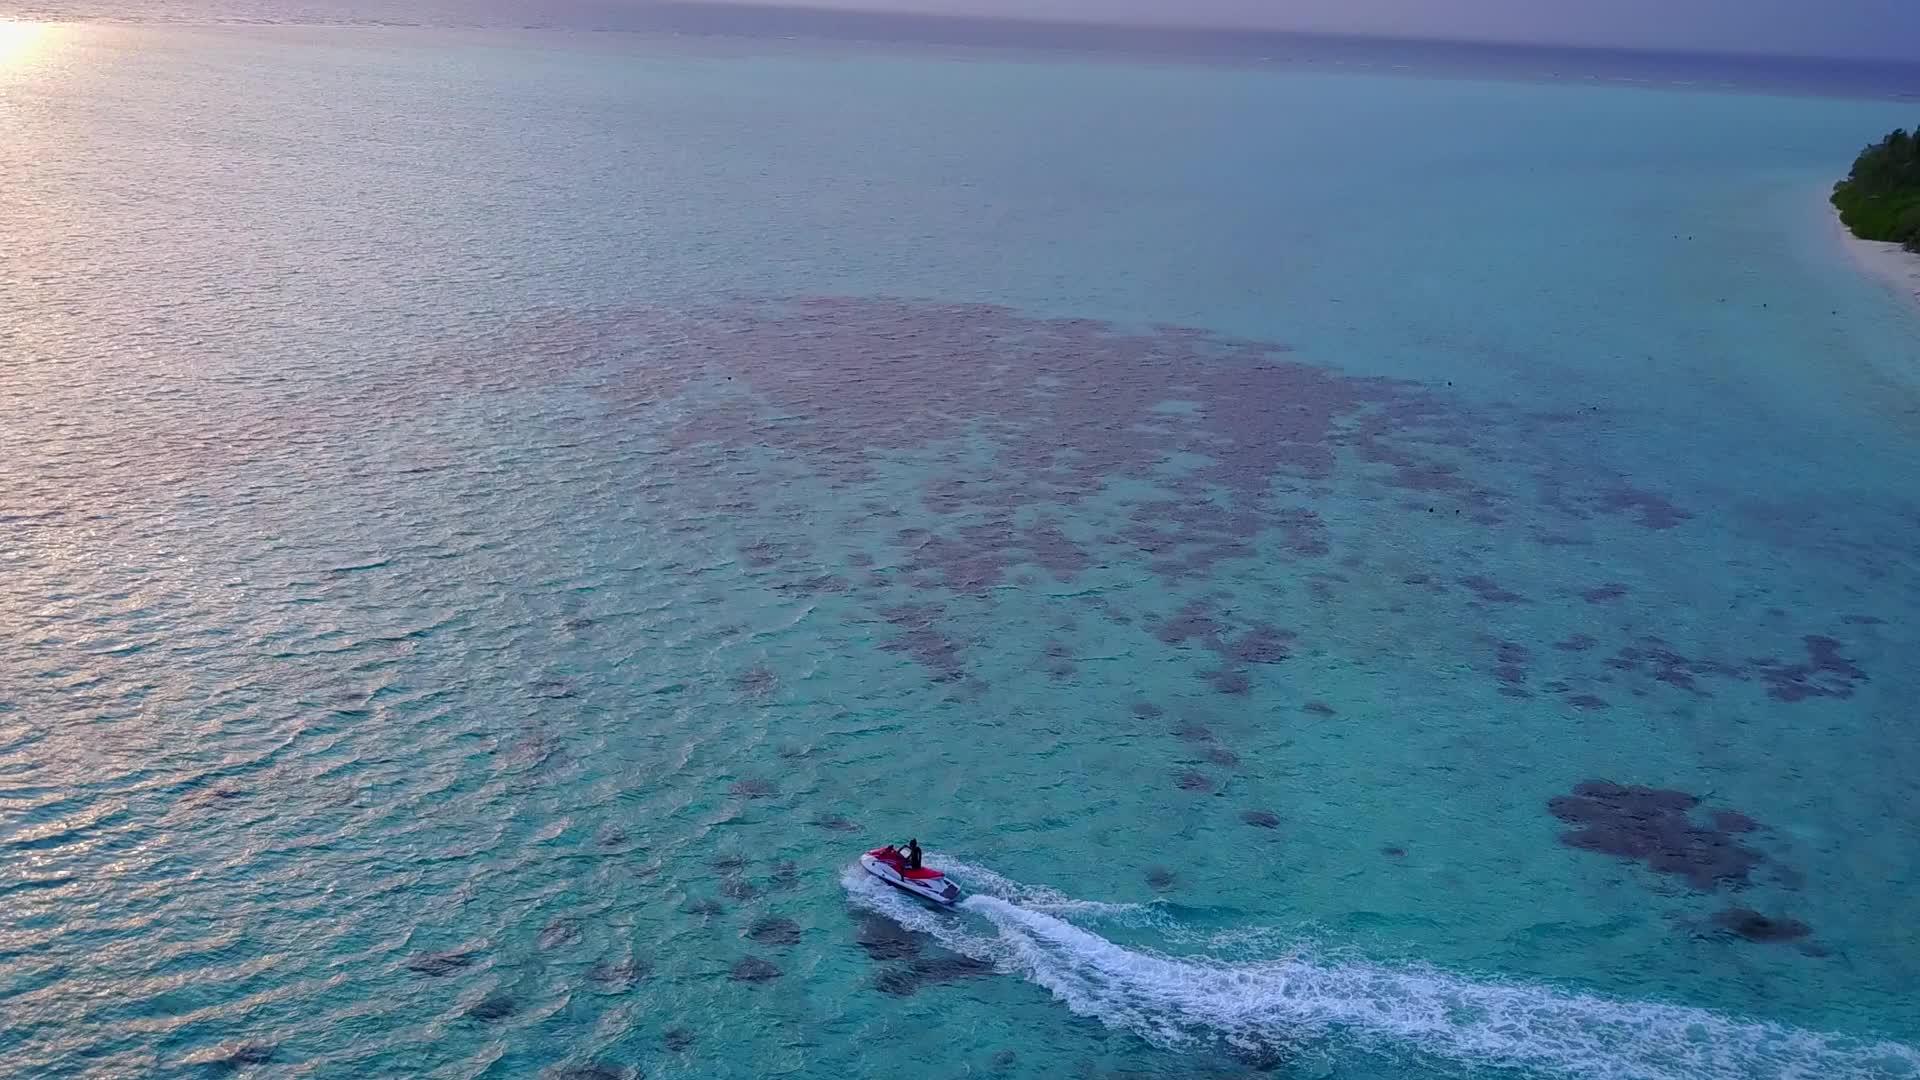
(887, 864)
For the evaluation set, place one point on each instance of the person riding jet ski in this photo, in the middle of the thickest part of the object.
(899, 865)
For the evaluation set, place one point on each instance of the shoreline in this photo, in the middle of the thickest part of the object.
(1894, 266)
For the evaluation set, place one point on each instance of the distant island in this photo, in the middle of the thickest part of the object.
(1880, 198)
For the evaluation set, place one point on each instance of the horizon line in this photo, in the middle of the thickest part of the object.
(1139, 26)
(1128, 30)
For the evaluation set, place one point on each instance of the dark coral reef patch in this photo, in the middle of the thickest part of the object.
(1655, 826)
(1053, 448)
(1765, 929)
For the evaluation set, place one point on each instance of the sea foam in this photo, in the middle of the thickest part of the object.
(1300, 1002)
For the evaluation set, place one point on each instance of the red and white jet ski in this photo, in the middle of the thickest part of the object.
(890, 866)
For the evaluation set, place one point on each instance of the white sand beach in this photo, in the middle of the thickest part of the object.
(1891, 263)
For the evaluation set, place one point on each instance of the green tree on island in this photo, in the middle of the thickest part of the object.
(1880, 198)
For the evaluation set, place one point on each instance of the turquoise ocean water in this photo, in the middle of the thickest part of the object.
(1359, 574)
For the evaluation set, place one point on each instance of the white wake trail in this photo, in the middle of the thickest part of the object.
(1301, 999)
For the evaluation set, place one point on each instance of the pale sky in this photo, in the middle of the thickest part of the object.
(1877, 28)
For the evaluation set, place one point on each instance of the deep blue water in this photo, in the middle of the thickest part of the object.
(1359, 574)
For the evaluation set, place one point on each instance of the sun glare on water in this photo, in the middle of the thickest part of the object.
(20, 40)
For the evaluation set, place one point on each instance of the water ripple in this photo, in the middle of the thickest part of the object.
(424, 660)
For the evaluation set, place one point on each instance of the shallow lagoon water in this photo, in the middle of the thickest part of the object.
(494, 522)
